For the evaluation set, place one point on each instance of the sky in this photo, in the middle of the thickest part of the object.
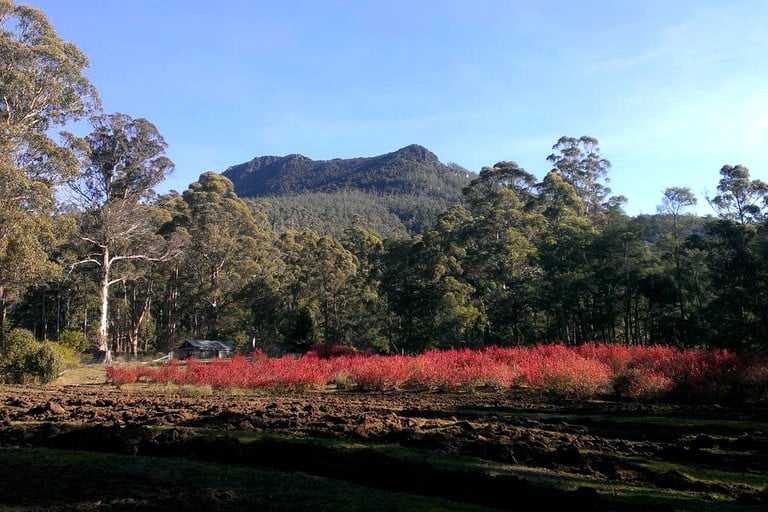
(672, 89)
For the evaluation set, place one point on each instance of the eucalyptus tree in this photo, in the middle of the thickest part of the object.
(580, 163)
(674, 202)
(739, 198)
(122, 160)
(500, 239)
(567, 259)
(739, 313)
(230, 253)
(42, 86)
(432, 304)
(320, 279)
(366, 311)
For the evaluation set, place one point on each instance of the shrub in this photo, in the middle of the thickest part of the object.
(70, 357)
(122, 374)
(44, 364)
(75, 340)
(28, 360)
(561, 371)
(325, 350)
(19, 340)
(641, 383)
(704, 375)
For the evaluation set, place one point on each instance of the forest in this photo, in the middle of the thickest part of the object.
(89, 250)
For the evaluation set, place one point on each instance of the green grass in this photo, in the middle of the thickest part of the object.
(623, 494)
(82, 374)
(256, 489)
(657, 421)
(757, 481)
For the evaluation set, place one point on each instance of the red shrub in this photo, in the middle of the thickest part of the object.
(641, 383)
(330, 350)
(585, 371)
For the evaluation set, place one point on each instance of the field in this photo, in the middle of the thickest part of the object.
(85, 444)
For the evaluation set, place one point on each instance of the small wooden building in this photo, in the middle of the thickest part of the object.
(206, 349)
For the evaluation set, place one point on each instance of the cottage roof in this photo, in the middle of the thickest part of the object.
(208, 345)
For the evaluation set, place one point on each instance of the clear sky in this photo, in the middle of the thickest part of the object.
(672, 89)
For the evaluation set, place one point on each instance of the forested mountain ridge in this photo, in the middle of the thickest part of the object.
(397, 193)
(412, 170)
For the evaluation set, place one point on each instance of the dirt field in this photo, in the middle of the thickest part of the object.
(511, 451)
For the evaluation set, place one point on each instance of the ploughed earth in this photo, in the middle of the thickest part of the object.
(508, 451)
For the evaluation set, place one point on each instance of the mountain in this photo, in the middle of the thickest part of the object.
(401, 192)
(409, 170)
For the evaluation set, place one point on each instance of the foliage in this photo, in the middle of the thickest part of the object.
(76, 341)
(19, 340)
(42, 85)
(122, 160)
(68, 357)
(27, 359)
(330, 350)
(588, 371)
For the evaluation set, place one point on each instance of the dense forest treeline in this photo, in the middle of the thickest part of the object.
(87, 246)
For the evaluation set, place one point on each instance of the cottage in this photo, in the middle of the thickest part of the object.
(206, 349)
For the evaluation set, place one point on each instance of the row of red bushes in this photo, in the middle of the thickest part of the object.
(589, 370)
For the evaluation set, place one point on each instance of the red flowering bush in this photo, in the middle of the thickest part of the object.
(330, 350)
(585, 371)
(122, 374)
(457, 370)
(641, 383)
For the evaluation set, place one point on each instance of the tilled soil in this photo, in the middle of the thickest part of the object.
(530, 443)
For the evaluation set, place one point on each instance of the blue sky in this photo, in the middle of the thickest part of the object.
(673, 90)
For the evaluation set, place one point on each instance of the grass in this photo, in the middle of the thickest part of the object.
(82, 375)
(623, 494)
(757, 481)
(657, 422)
(149, 483)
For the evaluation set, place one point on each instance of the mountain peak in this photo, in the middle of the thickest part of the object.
(417, 151)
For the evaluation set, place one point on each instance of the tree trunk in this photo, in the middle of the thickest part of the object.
(136, 327)
(102, 339)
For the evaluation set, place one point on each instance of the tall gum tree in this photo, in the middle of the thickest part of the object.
(736, 258)
(499, 240)
(230, 250)
(673, 204)
(122, 160)
(581, 164)
(42, 85)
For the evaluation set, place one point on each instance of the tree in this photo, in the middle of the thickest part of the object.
(740, 310)
(675, 200)
(122, 161)
(319, 279)
(580, 163)
(42, 85)
(432, 303)
(500, 254)
(230, 249)
(366, 311)
(739, 197)
(566, 257)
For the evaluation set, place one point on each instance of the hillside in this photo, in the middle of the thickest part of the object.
(399, 193)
